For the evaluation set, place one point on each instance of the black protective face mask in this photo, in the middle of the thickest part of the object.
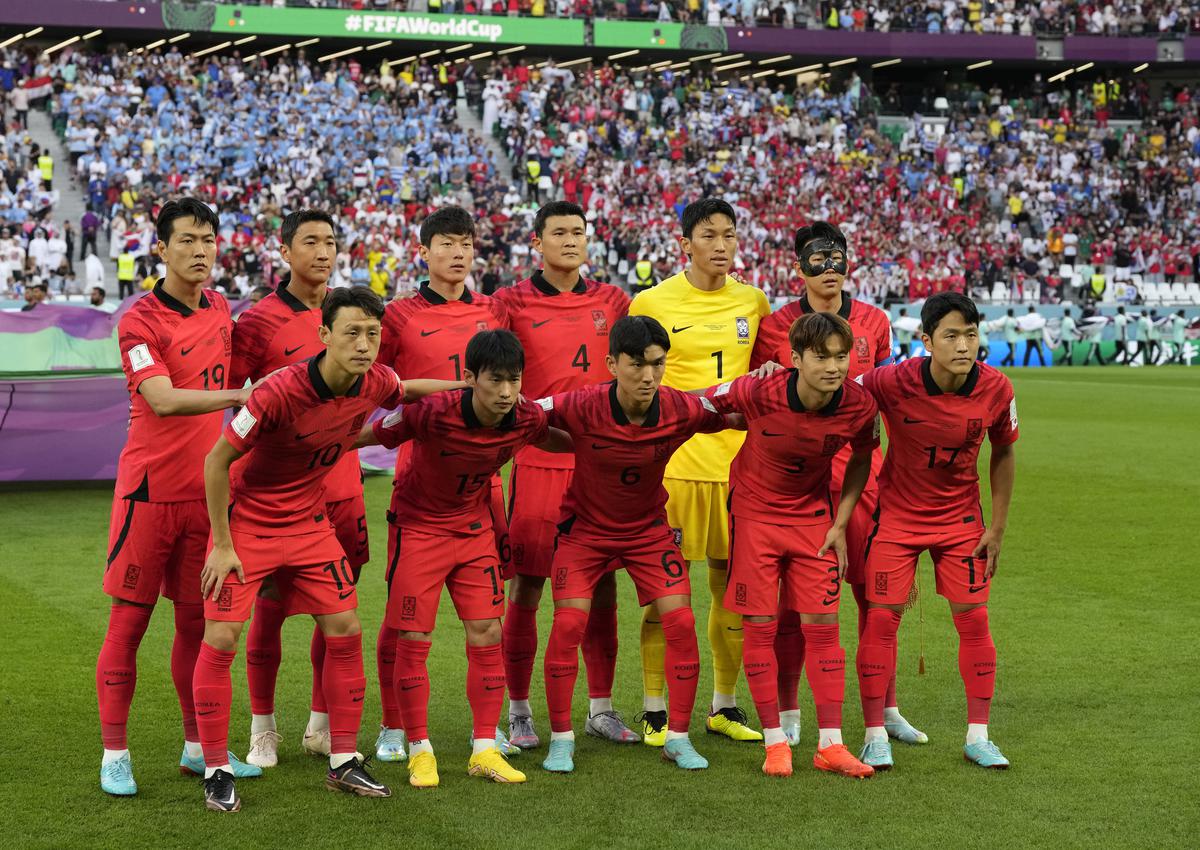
(826, 247)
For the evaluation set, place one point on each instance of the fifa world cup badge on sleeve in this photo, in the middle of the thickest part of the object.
(139, 357)
(243, 422)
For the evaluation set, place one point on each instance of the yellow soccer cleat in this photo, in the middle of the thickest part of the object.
(422, 771)
(490, 764)
(654, 728)
(731, 722)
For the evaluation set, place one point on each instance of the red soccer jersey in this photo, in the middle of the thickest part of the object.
(871, 327)
(930, 478)
(276, 332)
(617, 489)
(426, 336)
(447, 484)
(565, 336)
(163, 458)
(781, 474)
(293, 430)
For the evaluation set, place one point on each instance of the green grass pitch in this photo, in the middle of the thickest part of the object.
(1093, 612)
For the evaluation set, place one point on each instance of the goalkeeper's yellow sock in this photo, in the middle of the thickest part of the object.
(654, 652)
(725, 638)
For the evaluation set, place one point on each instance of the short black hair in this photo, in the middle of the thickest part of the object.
(497, 351)
(818, 230)
(703, 210)
(293, 220)
(100, 289)
(812, 332)
(632, 335)
(1066, 311)
(554, 209)
(362, 297)
(903, 311)
(1011, 311)
(454, 221)
(184, 208)
(937, 307)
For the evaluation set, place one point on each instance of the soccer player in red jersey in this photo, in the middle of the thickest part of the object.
(444, 537)
(426, 336)
(281, 329)
(937, 409)
(269, 518)
(823, 262)
(788, 543)
(175, 345)
(614, 515)
(563, 322)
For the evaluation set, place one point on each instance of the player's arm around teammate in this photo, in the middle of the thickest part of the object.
(937, 410)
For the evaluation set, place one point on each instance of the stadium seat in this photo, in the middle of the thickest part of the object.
(1193, 292)
(1179, 293)
(999, 292)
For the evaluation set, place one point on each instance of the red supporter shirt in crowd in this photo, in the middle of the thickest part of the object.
(163, 458)
(781, 475)
(930, 477)
(565, 337)
(293, 430)
(276, 332)
(617, 489)
(446, 486)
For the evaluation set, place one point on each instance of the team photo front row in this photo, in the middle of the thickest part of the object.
(690, 424)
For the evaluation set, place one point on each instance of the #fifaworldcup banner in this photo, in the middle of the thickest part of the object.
(266, 20)
(54, 337)
(666, 36)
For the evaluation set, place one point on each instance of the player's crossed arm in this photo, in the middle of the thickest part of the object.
(165, 399)
(374, 433)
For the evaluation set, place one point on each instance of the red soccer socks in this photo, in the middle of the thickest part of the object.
(189, 633)
(345, 687)
(759, 659)
(485, 688)
(976, 662)
(519, 648)
(385, 664)
(561, 666)
(213, 693)
(789, 658)
(412, 687)
(116, 670)
(825, 664)
(600, 651)
(877, 662)
(263, 652)
(682, 666)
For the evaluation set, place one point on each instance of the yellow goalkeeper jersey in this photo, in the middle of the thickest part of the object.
(712, 335)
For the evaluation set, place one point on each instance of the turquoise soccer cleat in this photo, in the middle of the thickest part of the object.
(389, 746)
(505, 747)
(241, 770)
(791, 731)
(116, 778)
(561, 758)
(681, 751)
(905, 732)
(985, 754)
(877, 754)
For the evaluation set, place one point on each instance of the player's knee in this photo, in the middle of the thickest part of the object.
(341, 624)
(222, 636)
(679, 624)
(526, 591)
(569, 625)
(819, 619)
(189, 620)
(483, 632)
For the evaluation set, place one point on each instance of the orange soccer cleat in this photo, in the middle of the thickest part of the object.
(779, 760)
(837, 759)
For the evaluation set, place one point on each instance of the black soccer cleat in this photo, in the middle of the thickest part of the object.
(352, 777)
(219, 793)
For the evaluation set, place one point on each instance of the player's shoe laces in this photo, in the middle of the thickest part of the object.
(837, 759)
(241, 770)
(985, 754)
(491, 764)
(219, 793)
(905, 732)
(791, 731)
(422, 771)
(352, 777)
(654, 728)
(116, 778)
(681, 751)
(877, 754)
(521, 732)
(561, 758)
(264, 749)
(389, 746)
(731, 722)
(316, 743)
(779, 760)
(609, 726)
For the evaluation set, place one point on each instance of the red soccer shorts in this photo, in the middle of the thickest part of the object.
(425, 562)
(156, 548)
(310, 570)
(653, 561)
(535, 500)
(892, 565)
(349, 518)
(862, 521)
(774, 566)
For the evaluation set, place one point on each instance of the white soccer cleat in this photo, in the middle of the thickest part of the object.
(316, 743)
(264, 749)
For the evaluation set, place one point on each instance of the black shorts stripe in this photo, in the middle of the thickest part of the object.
(729, 569)
(130, 504)
(512, 489)
(391, 570)
(871, 536)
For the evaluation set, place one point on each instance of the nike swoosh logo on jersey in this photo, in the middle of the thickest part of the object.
(358, 699)
(756, 673)
(971, 589)
(676, 330)
(694, 675)
(673, 583)
(206, 713)
(430, 333)
(492, 687)
(543, 322)
(835, 669)
(184, 352)
(346, 595)
(988, 673)
(288, 352)
(908, 421)
(772, 434)
(869, 675)
(601, 446)
(111, 683)
(409, 687)
(560, 675)
(305, 436)
(449, 454)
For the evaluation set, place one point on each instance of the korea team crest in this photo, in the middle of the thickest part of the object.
(743, 330)
(861, 348)
(974, 429)
(600, 322)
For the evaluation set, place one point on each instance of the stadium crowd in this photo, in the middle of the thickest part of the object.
(1030, 189)
(1012, 17)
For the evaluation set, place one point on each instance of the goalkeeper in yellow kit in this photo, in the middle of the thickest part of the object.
(713, 321)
